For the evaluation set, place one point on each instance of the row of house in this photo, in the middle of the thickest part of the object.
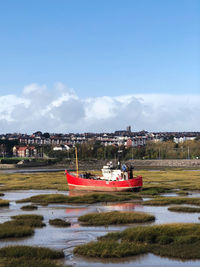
(125, 137)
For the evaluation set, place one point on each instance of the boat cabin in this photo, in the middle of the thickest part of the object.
(111, 174)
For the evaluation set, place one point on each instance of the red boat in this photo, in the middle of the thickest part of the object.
(119, 179)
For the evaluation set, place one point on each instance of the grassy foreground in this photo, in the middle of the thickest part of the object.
(25, 256)
(173, 240)
(20, 226)
(115, 217)
(82, 199)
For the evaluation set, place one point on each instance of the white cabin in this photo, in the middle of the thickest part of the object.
(113, 175)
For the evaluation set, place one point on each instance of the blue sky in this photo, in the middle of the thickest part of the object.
(100, 48)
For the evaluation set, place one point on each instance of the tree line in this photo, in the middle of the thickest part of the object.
(152, 150)
(95, 150)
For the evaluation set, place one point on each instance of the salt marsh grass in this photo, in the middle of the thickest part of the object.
(115, 217)
(29, 207)
(171, 179)
(37, 181)
(183, 209)
(20, 226)
(4, 203)
(25, 256)
(88, 198)
(172, 240)
(164, 201)
(59, 222)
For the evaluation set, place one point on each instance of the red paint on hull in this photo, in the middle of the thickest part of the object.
(78, 183)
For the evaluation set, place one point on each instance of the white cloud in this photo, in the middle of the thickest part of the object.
(59, 109)
(33, 88)
(8, 104)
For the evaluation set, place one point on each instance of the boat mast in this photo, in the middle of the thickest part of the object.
(76, 161)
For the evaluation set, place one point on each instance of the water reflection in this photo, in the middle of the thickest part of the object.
(120, 207)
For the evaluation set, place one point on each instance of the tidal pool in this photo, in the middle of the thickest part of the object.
(67, 238)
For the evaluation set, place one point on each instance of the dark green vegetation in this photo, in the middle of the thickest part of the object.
(173, 240)
(115, 217)
(4, 203)
(164, 201)
(154, 191)
(88, 198)
(29, 207)
(6, 147)
(95, 150)
(183, 209)
(20, 226)
(25, 256)
(182, 193)
(31, 220)
(160, 150)
(59, 222)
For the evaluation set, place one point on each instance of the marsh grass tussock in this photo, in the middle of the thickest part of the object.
(110, 249)
(25, 256)
(32, 220)
(172, 240)
(182, 193)
(184, 209)
(20, 226)
(85, 199)
(9, 229)
(29, 207)
(59, 222)
(115, 217)
(154, 191)
(164, 201)
(4, 203)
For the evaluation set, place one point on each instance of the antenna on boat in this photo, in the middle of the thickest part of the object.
(76, 161)
(119, 159)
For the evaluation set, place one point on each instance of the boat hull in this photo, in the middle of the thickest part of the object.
(83, 184)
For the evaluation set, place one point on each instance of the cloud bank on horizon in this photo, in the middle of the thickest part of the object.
(61, 110)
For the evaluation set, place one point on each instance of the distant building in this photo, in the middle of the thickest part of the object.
(183, 139)
(24, 151)
(62, 148)
(129, 143)
(128, 128)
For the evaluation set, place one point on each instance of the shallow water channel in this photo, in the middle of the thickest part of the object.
(67, 238)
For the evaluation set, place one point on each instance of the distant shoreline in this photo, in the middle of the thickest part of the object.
(97, 165)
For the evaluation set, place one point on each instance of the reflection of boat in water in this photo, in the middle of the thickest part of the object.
(112, 179)
(74, 211)
(120, 206)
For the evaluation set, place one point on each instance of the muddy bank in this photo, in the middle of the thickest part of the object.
(97, 164)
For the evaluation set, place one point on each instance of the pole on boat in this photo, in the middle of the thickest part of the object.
(76, 161)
